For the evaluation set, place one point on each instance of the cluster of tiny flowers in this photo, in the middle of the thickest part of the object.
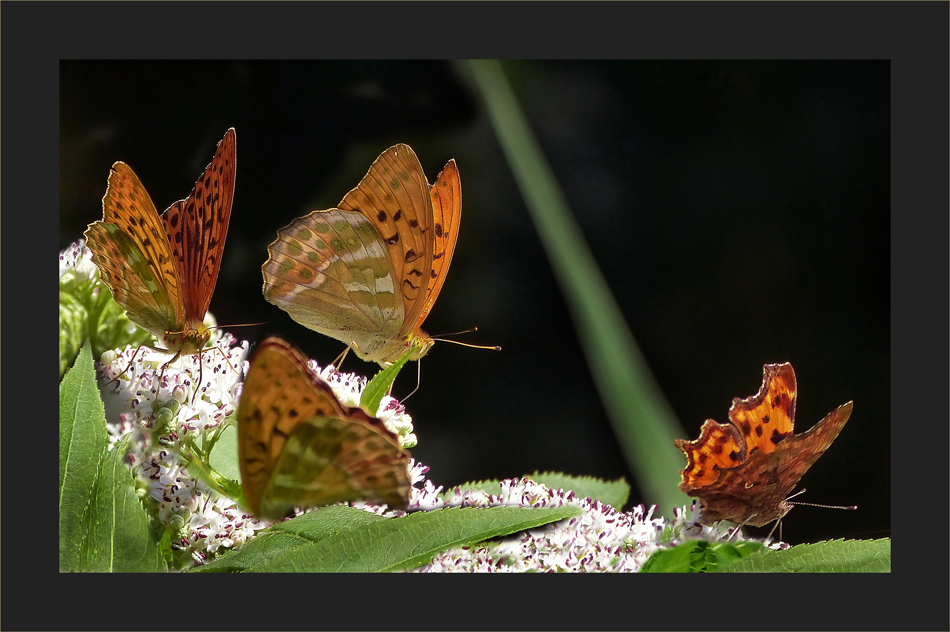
(206, 521)
(76, 260)
(162, 410)
(601, 539)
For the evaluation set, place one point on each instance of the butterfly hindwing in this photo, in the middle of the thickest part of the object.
(332, 274)
(299, 446)
(131, 250)
(333, 459)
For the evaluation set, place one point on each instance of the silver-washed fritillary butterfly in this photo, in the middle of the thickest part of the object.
(162, 269)
(368, 272)
(298, 446)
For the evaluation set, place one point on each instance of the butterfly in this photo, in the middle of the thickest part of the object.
(368, 272)
(743, 471)
(298, 446)
(162, 269)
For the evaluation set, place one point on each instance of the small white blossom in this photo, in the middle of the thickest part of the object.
(76, 260)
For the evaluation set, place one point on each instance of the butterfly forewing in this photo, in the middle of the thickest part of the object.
(446, 196)
(767, 417)
(132, 252)
(197, 227)
(298, 446)
(394, 196)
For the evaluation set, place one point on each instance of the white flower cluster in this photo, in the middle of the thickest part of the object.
(602, 539)
(77, 260)
(162, 412)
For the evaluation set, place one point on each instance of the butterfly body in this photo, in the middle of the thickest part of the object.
(162, 269)
(368, 272)
(744, 471)
(298, 446)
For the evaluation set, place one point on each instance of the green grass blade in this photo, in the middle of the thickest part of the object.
(642, 420)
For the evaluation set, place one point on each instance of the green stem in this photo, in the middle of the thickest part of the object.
(642, 420)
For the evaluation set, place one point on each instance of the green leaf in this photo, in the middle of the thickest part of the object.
(377, 387)
(83, 442)
(102, 525)
(224, 455)
(699, 556)
(613, 493)
(642, 419)
(118, 537)
(344, 541)
(285, 537)
(836, 556)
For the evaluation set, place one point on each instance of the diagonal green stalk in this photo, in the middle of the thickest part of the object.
(642, 420)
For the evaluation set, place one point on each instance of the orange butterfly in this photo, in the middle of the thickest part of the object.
(298, 446)
(743, 471)
(162, 269)
(368, 272)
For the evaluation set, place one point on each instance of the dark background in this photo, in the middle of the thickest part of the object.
(739, 211)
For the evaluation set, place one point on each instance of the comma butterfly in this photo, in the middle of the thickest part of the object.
(743, 471)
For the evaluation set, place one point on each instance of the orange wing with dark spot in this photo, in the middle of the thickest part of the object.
(298, 446)
(394, 196)
(743, 471)
(198, 225)
(446, 196)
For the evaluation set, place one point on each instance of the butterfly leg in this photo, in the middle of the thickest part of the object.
(418, 381)
(201, 369)
(339, 359)
(165, 366)
(738, 528)
(778, 525)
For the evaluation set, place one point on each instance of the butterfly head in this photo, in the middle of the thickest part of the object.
(188, 342)
(420, 342)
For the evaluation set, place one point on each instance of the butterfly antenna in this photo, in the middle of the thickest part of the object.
(238, 325)
(847, 507)
(465, 344)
